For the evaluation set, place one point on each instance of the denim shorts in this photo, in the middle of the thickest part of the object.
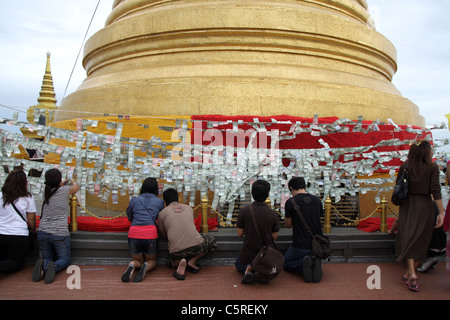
(143, 246)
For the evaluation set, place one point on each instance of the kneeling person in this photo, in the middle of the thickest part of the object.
(186, 244)
(298, 258)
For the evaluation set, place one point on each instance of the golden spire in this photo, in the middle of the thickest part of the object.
(46, 101)
(47, 97)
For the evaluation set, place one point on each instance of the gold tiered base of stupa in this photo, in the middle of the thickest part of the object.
(240, 57)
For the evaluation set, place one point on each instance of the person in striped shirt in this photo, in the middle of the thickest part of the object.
(53, 233)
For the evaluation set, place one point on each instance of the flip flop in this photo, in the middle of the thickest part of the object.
(413, 287)
(406, 279)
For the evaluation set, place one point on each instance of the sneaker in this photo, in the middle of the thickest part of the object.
(50, 273)
(307, 269)
(141, 274)
(38, 271)
(260, 278)
(128, 273)
(317, 270)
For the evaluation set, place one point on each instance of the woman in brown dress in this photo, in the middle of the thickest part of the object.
(417, 216)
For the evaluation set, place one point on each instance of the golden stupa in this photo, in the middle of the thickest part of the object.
(46, 103)
(240, 57)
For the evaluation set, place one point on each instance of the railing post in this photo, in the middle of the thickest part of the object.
(268, 202)
(204, 226)
(383, 223)
(73, 203)
(327, 222)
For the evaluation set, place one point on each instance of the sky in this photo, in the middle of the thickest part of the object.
(420, 31)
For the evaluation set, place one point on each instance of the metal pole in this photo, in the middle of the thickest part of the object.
(327, 222)
(73, 203)
(204, 225)
(383, 223)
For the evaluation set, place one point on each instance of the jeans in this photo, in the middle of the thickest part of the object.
(241, 267)
(54, 248)
(293, 259)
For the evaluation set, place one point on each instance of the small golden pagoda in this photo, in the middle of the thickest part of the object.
(46, 101)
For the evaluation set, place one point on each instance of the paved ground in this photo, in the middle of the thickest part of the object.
(341, 281)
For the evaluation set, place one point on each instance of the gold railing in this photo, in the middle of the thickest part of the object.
(73, 203)
(382, 210)
(204, 205)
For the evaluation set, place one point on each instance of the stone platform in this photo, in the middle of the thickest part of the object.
(348, 245)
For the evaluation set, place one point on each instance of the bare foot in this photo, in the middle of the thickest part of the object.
(179, 274)
(182, 267)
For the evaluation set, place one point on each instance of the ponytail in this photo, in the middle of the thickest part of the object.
(52, 183)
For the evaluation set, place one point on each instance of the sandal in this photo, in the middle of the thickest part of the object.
(248, 278)
(405, 278)
(179, 276)
(413, 287)
(193, 269)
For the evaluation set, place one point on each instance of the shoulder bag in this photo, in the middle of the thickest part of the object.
(320, 247)
(269, 261)
(401, 188)
(32, 237)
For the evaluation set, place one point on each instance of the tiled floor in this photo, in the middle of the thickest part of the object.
(341, 281)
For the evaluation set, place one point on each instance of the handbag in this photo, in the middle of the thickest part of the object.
(269, 261)
(320, 246)
(32, 236)
(401, 188)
